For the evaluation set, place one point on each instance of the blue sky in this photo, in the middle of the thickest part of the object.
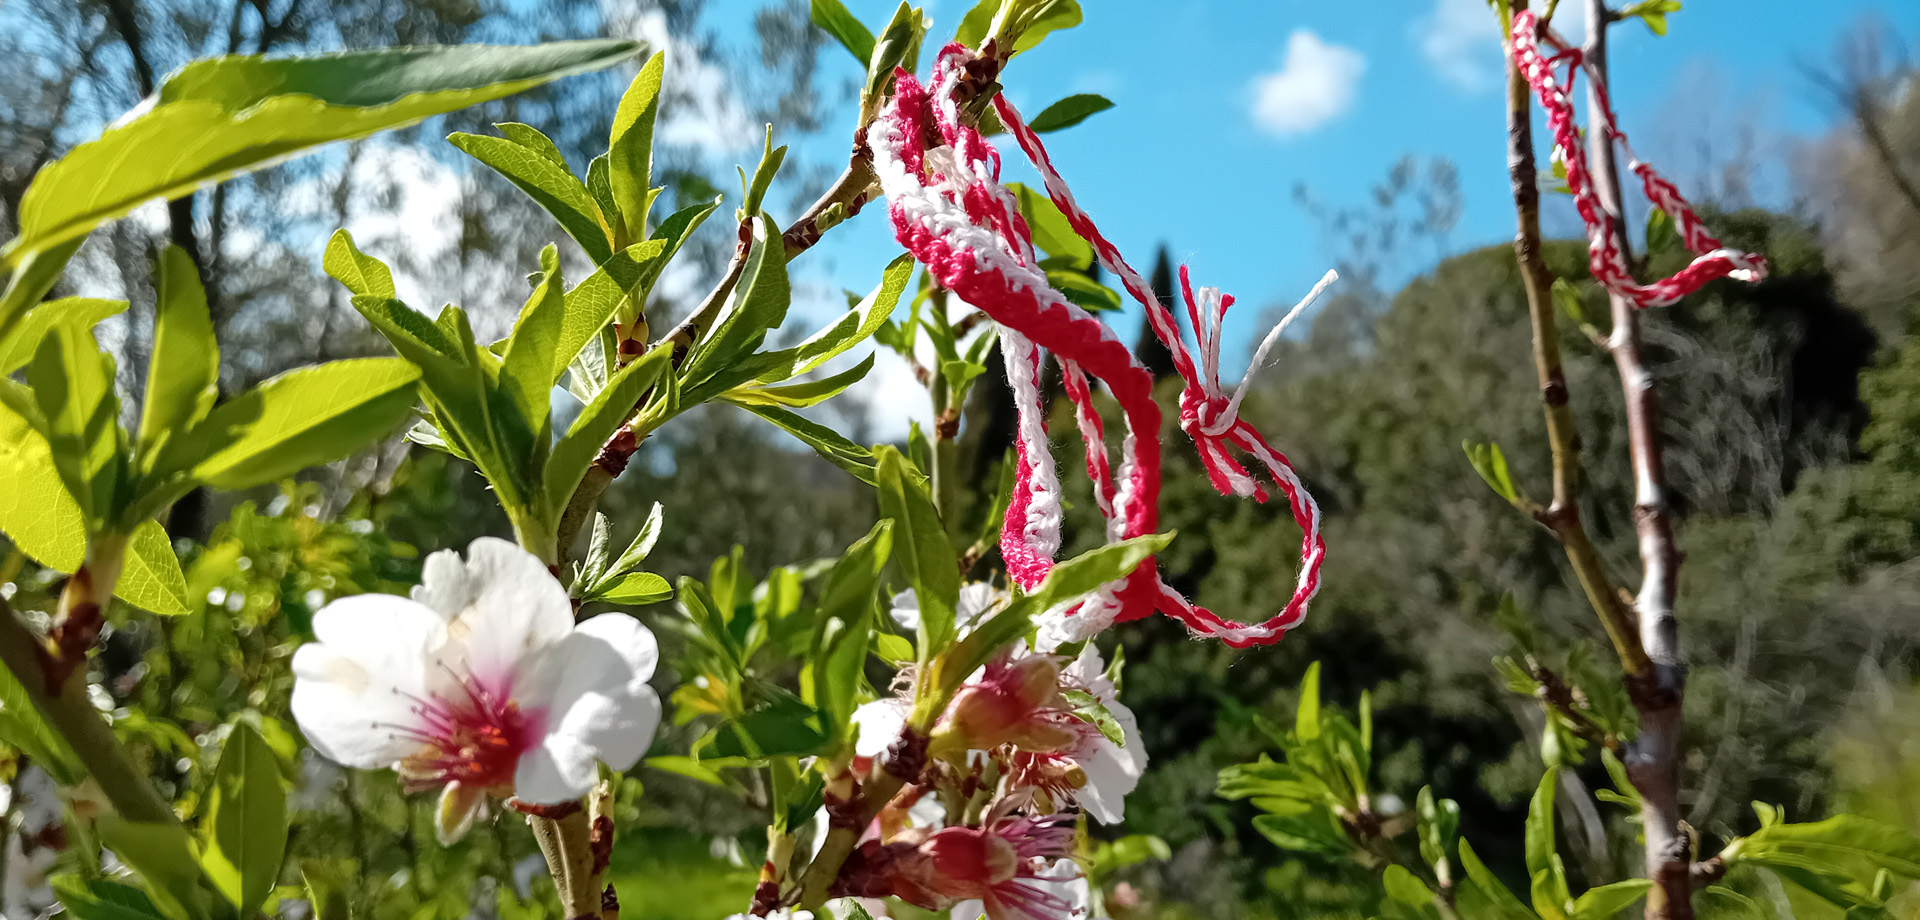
(1223, 105)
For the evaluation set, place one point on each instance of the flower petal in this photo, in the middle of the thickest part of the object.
(593, 686)
(355, 689)
(1113, 770)
(906, 610)
(880, 723)
(510, 606)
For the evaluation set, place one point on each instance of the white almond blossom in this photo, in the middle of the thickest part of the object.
(481, 684)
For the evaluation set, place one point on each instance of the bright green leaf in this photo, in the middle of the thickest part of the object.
(36, 512)
(223, 116)
(832, 17)
(826, 442)
(72, 384)
(1069, 112)
(358, 272)
(575, 450)
(183, 373)
(630, 147)
(633, 589)
(924, 552)
(302, 418)
(39, 322)
(1607, 900)
(556, 189)
(150, 576)
(245, 830)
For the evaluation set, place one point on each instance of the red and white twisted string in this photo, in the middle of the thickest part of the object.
(950, 210)
(1607, 261)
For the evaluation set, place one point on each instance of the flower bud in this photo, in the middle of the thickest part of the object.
(1016, 702)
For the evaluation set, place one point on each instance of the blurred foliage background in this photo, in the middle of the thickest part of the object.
(1793, 426)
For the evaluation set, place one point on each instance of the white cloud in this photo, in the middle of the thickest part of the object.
(1461, 39)
(1315, 83)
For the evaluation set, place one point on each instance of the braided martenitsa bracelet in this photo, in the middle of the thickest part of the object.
(951, 211)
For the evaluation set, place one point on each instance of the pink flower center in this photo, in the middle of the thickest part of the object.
(473, 735)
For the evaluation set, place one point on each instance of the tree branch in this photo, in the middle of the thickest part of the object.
(1653, 761)
(1562, 514)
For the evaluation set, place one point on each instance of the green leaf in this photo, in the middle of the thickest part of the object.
(1404, 887)
(801, 395)
(633, 589)
(302, 418)
(183, 373)
(1491, 463)
(1439, 824)
(1080, 288)
(1498, 897)
(832, 17)
(36, 511)
(33, 274)
(72, 384)
(898, 46)
(1823, 846)
(785, 727)
(39, 322)
(759, 304)
(894, 650)
(534, 360)
(1607, 900)
(165, 857)
(1088, 708)
(100, 899)
(575, 450)
(829, 444)
(358, 272)
(1661, 234)
(642, 545)
(244, 834)
(925, 554)
(616, 290)
(1653, 13)
(755, 192)
(555, 188)
(850, 329)
(530, 137)
(1052, 231)
(1539, 836)
(223, 116)
(1085, 573)
(1568, 298)
(24, 729)
(1069, 112)
(150, 576)
(630, 147)
(1306, 717)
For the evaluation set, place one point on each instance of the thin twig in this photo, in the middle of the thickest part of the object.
(1562, 514)
(1653, 760)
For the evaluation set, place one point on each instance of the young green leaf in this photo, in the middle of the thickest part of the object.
(302, 418)
(801, 395)
(1306, 716)
(1539, 835)
(642, 545)
(1605, 901)
(72, 383)
(616, 291)
(39, 322)
(244, 836)
(36, 511)
(630, 148)
(358, 272)
(853, 326)
(753, 193)
(1051, 230)
(1494, 893)
(1404, 887)
(223, 116)
(533, 361)
(183, 373)
(829, 444)
(832, 17)
(925, 554)
(1088, 708)
(150, 576)
(898, 46)
(1085, 573)
(1069, 112)
(575, 450)
(1661, 234)
(1568, 298)
(25, 730)
(163, 855)
(759, 303)
(555, 188)
(633, 589)
(100, 899)
(1491, 463)
(530, 137)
